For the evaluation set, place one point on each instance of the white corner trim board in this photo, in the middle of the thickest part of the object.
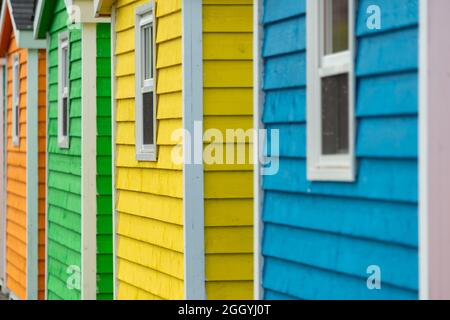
(423, 152)
(2, 178)
(258, 97)
(193, 197)
(32, 174)
(46, 164)
(114, 150)
(88, 162)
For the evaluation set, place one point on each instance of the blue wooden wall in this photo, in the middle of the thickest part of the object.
(319, 238)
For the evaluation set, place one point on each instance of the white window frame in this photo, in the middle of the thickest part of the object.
(63, 92)
(15, 100)
(321, 167)
(144, 15)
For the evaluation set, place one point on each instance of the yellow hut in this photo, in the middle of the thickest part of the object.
(183, 228)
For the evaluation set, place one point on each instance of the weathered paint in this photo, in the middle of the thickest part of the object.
(319, 238)
(149, 194)
(228, 188)
(435, 150)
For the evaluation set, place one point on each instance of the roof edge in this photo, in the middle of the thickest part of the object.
(41, 22)
(102, 8)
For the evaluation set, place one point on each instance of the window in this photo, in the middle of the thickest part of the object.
(63, 91)
(15, 100)
(330, 90)
(145, 84)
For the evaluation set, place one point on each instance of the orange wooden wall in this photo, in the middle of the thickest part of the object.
(16, 252)
(42, 162)
(16, 232)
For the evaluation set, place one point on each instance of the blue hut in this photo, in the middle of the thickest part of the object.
(340, 83)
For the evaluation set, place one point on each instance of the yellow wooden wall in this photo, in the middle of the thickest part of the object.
(149, 194)
(228, 104)
(16, 220)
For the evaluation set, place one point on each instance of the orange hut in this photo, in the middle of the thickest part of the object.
(25, 120)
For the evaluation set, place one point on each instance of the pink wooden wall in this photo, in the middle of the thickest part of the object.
(435, 108)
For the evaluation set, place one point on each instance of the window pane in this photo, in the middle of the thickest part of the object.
(336, 26)
(150, 54)
(16, 88)
(335, 131)
(65, 117)
(65, 67)
(147, 34)
(147, 116)
(16, 127)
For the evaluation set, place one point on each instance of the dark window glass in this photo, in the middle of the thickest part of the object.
(65, 115)
(336, 26)
(147, 117)
(335, 133)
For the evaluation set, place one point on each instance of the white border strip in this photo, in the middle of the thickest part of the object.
(47, 92)
(5, 181)
(89, 162)
(114, 150)
(258, 98)
(3, 178)
(193, 197)
(32, 185)
(423, 151)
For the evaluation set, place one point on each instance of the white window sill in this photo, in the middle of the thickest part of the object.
(146, 156)
(63, 143)
(15, 141)
(331, 174)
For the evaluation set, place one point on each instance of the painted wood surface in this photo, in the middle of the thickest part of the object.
(64, 167)
(65, 178)
(104, 166)
(42, 162)
(16, 214)
(319, 238)
(149, 194)
(228, 188)
(435, 256)
(2, 175)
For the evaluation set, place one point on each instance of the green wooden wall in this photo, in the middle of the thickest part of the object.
(64, 170)
(104, 164)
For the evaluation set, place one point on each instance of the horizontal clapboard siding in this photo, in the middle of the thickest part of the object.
(319, 238)
(104, 168)
(42, 119)
(227, 88)
(150, 250)
(16, 174)
(64, 167)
